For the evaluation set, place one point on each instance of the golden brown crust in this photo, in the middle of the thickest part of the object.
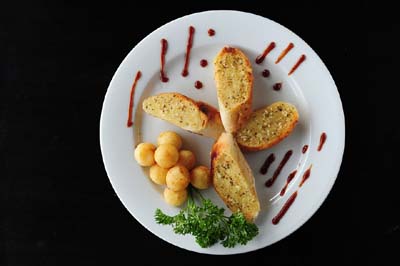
(214, 126)
(281, 134)
(234, 81)
(210, 111)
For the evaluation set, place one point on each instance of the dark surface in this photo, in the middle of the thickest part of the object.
(57, 205)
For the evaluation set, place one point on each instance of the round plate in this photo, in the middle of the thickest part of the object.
(310, 88)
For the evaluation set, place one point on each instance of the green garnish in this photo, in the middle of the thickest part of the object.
(208, 224)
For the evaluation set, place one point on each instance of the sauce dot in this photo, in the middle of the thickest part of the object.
(265, 73)
(203, 63)
(198, 85)
(277, 86)
(211, 32)
(305, 148)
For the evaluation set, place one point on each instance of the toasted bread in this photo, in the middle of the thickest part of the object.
(232, 177)
(180, 110)
(234, 81)
(267, 126)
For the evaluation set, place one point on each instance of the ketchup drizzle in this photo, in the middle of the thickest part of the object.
(264, 168)
(189, 45)
(164, 47)
(262, 56)
(288, 180)
(284, 52)
(285, 208)
(278, 170)
(322, 140)
(129, 123)
(301, 60)
(306, 175)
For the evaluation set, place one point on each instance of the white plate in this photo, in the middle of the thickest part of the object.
(311, 89)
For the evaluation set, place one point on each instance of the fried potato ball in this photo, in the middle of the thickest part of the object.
(178, 178)
(166, 155)
(175, 198)
(187, 159)
(158, 174)
(144, 154)
(200, 177)
(170, 137)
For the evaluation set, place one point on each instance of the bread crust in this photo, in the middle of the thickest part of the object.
(214, 126)
(245, 198)
(233, 117)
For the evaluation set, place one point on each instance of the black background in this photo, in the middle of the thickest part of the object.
(57, 205)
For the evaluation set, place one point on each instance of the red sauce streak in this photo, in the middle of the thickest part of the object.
(278, 170)
(284, 52)
(189, 45)
(322, 140)
(203, 63)
(306, 175)
(288, 180)
(305, 148)
(264, 168)
(129, 123)
(285, 208)
(198, 85)
(265, 73)
(211, 32)
(262, 56)
(301, 60)
(164, 47)
(277, 86)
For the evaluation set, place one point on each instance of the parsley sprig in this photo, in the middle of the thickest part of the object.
(208, 224)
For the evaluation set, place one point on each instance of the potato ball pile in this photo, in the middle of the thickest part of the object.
(172, 167)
